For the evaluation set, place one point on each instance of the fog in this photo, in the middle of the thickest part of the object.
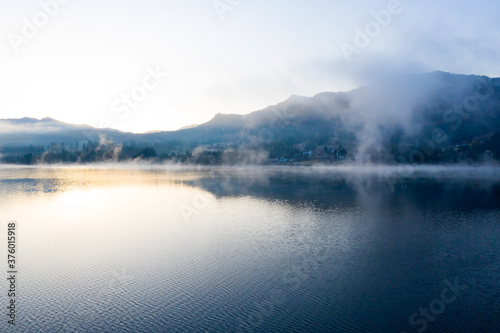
(486, 171)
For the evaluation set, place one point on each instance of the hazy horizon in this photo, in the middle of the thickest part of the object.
(187, 61)
(402, 107)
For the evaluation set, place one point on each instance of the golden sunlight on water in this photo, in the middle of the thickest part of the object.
(180, 250)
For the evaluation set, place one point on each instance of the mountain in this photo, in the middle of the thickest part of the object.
(31, 131)
(32, 125)
(376, 121)
(187, 127)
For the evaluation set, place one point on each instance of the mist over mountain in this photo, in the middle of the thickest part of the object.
(383, 121)
(31, 125)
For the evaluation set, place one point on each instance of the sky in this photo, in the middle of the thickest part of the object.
(163, 64)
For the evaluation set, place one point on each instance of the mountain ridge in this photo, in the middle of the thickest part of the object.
(372, 119)
(236, 119)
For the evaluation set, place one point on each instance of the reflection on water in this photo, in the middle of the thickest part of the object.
(209, 250)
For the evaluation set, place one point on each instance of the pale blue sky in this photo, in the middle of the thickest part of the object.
(83, 59)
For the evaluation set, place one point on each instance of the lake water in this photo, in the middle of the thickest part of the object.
(166, 249)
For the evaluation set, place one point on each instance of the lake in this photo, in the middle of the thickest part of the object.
(265, 249)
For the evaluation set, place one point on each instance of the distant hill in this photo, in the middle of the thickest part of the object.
(32, 125)
(374, 120)
(187, 127)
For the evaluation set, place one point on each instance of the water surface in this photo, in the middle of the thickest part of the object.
(162, 249)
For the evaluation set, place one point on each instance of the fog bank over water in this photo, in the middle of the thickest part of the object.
(435, 185)
(486, 171)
